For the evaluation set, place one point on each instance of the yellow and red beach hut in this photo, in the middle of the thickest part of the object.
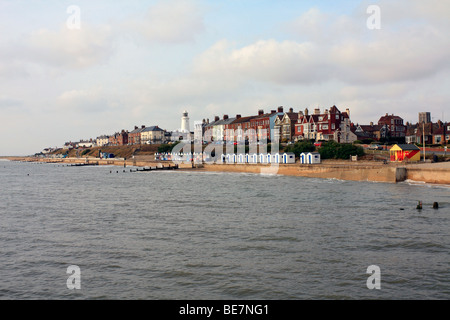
(405, 152)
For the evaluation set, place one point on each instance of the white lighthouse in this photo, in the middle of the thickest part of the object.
(185, 122)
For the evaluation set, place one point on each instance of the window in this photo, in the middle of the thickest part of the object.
(333, 126)
(320, 118)
(325, 127)
(337, 117)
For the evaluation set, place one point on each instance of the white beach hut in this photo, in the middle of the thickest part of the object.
(253, 158)
(303, 158)
(275, 158)
(262, 158)
(241, 158)
(288, 157)
(313, 158)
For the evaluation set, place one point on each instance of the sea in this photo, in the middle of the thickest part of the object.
(190, 235)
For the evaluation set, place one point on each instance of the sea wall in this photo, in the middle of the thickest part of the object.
(429, 175)
(343, 172)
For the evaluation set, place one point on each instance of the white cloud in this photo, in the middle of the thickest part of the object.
(64, 49)
(334, 48)
(169, 21)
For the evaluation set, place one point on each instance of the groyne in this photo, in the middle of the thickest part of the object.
(435, 173)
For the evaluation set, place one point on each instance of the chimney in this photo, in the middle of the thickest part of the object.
(143, 127)
(317, 111)
(326, 111)
(371, 124)
(225, 117)
(135, 127)
(348, 112)
(386, 115)
(238, 116)
(306, 111)
(273, 111)
(260, 112)
(291, 110)
(280, 109)
(216, 118)
(207, 120)
(300, 114)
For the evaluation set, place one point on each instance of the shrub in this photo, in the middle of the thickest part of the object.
(167, 147)
(300, 147)
(334, 150)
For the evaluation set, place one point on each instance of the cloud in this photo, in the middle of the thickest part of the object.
(169, 21)
(7, 103)
(62, 49)
(91, 101)
(330, 47)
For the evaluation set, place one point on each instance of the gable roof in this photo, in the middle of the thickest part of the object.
(152, 128)
(406, 146)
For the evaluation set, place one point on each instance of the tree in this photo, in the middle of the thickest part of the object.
(334, 150)
(300, 147)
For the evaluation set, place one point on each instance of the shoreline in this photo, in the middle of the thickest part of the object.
(433, 173)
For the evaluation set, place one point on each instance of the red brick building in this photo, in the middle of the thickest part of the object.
(134, 137)
(119, 139)
(393, 125)
(330, 125)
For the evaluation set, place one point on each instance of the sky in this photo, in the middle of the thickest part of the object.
(72, 70)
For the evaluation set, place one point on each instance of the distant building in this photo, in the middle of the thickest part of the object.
(330, 125)
(393, 126)
(430, 133)
(102, 140)
(284, 128)
(185, 122)
(119, 138)
(424, 117)
(152, 135)
(85, 144)
(134, 137)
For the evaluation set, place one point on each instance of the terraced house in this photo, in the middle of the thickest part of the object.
(153, 134)
(330, 125)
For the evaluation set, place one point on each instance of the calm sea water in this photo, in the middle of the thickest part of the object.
(191, 235)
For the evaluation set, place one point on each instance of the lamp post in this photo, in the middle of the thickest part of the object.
(423, 133)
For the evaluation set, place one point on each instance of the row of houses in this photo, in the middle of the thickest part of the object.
(140, 135)
(393, 126)
(330, 124)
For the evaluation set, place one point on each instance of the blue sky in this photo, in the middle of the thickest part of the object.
(144, 62)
